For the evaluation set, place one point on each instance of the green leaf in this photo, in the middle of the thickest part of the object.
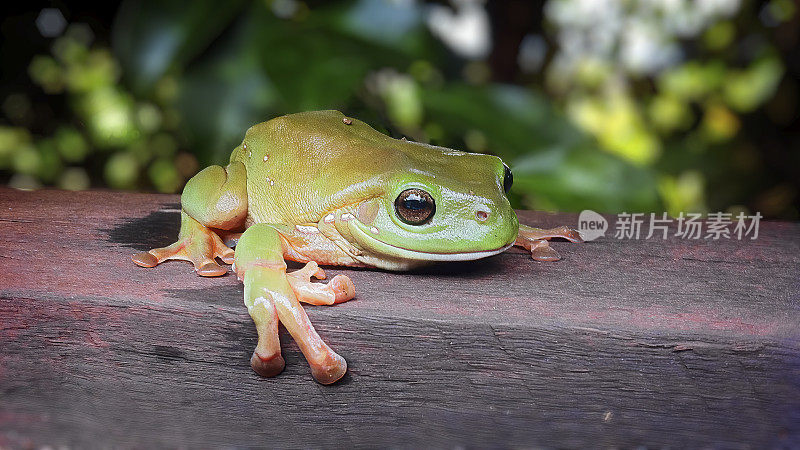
(583, 177)
(314, 64)
(514, 120)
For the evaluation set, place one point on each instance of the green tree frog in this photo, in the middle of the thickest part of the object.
(322, 188)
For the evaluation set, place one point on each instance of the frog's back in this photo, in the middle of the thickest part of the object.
(301, 166)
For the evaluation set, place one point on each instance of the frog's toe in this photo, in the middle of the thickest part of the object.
(203, 254)
(338, 290)
(541, 251)
(267, 366)
(534, 234)
(156, 256)
(568, 233)
(535, 241)
(210, 269)
(343, 288)
(226, 254)
(145, 259)
(330, 370)
(311, 269)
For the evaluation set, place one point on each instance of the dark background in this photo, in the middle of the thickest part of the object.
(141, 94)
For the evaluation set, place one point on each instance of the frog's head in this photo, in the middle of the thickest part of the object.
(436, 204)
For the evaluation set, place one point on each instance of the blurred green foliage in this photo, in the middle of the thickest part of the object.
(179, 86)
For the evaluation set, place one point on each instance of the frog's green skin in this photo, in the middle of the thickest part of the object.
(318, 187)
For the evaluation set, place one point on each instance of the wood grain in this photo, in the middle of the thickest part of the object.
(622, 343)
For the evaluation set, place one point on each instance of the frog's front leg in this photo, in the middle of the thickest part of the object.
(535, 240)
(214, 199)
(272, 295)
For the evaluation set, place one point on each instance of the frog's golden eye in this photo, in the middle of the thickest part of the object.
(508, 178)
(415, 206)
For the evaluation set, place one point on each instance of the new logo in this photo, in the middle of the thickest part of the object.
(591, 225)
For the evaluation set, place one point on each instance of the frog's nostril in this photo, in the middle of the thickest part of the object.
(481, 215)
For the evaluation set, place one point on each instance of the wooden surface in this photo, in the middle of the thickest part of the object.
(622, 343)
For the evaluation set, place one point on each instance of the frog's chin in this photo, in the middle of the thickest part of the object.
(378, 247)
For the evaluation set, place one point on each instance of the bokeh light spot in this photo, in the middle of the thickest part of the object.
(51, 22)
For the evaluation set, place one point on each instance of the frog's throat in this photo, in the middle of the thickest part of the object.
(377, 246)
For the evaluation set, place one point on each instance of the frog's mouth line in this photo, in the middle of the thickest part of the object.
(404, 253)
(425, 256)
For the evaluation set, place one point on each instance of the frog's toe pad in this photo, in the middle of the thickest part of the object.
(210, 269)
(541, 251)
(267, 366)
(329, 371)
(343, 288)
(145, 259)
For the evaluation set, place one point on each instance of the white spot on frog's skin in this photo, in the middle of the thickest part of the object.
(271, 182)
(347, 216)
(347, 121)
(227, 202)
(374, 230)
(260, 301)
(307, 229)
(329, 218)
(266, 157)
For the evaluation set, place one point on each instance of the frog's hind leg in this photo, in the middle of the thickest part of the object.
(213, 201)
(535, 240)
(270, 294)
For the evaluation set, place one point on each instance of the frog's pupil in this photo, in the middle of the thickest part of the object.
(415, 206)
(508, 178)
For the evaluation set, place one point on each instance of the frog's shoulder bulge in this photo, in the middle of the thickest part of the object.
(303, 165)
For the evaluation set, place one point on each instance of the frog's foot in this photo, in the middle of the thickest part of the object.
(196, 244)
(535, 241)
(270, 298)
(339, 289)
(540, 249)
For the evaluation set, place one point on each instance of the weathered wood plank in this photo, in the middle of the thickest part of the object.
(622, 343)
